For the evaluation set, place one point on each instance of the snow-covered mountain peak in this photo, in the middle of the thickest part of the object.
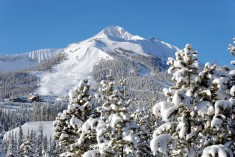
(118, 32)
(111, 43)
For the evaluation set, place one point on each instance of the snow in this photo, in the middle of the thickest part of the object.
(101, 130)
(73, 94)
(63, 136)
(88, 124)
(182, 129)
(76, 122)
(192, 152)
(115, 120)
(92, 153)
(232, 73)
(177, 98)
(216, 122)
(160, 144)
(66, 154)
(232, 90)
(130, 138)
(163, 128)
(47, 127)
(205, 108)
(222, 104)
(221, 82)
(164, 109)
(217, 150)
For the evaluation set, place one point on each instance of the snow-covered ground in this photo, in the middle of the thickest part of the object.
(27, 127)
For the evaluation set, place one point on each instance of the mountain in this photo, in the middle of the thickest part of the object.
(26, 60)
(113, 48)
(82, 56)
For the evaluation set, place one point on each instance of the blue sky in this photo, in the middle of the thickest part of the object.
(209, 25)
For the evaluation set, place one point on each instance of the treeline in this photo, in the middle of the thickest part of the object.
(39, 111)
(14, 84)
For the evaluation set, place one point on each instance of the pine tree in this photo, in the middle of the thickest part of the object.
(39, 142)
(11, 146)
(51, 147)
(32, 139)
(231, 49)
(218, 137)
(19, 141)
(71, 126)
(232, 99)
(145, 120)
(116, 129)
(175, 131)
(1, 143)
(196, 118)
(26, 148)
(44, 144)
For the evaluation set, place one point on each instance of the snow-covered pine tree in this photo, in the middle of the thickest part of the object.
(232, 72)
(175, 131)
(145, 120)
(32, 137)
(231, 49)
(197, 114)
(44, 146)
(11, 146)
(5, 145)
(51, 147)
(19, 141)
(26, 148)
(39, 142)
(218, 137)
(45, 154)
(116, 134)
(72, 127)
(1, 143)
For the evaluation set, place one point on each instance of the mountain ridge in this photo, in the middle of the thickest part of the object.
(27, 60)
